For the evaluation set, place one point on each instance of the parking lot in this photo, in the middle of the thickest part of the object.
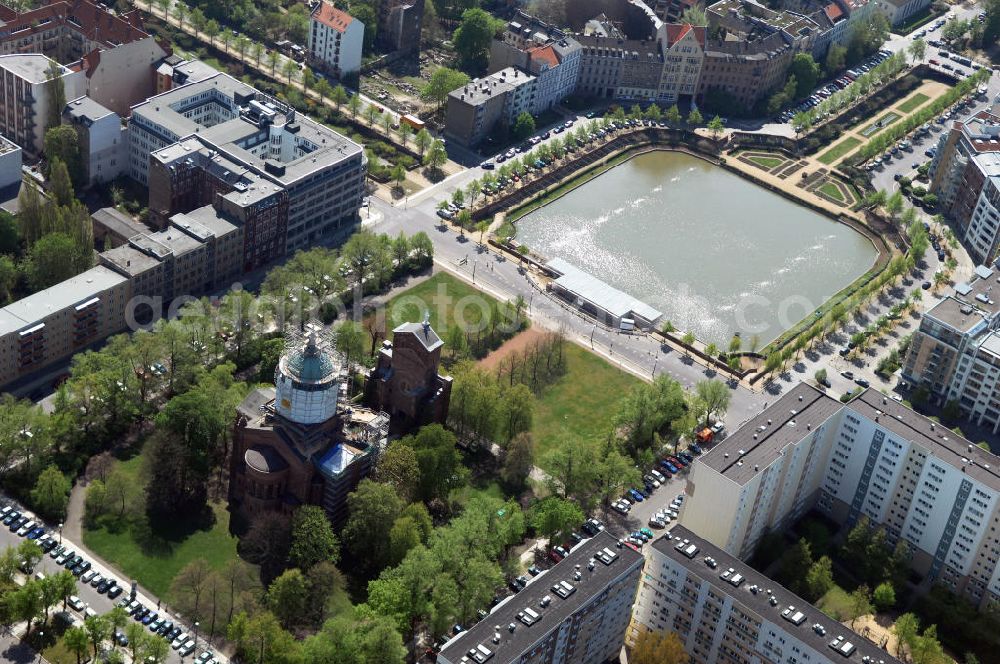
(840, 83)
(90, 600)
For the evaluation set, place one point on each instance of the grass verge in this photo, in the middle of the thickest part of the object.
(839, 150)
(832, 190)
(447, 299)
(767, 163)
(913, 102)
(572, 407)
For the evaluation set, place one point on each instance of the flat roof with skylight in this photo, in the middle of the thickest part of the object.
(519, 622)
(768, 601)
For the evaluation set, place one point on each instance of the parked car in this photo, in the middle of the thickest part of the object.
(592, 527)
(114, 591)
(76, 603)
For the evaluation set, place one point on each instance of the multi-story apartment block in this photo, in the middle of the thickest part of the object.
(103, 139)
(684, 56)
(477, 108)
(964, 174)
(335, 40)
(873, 457)
(724, 611)
(267, 148)
(113, 49)
(548, 53)
(899, 11)
(237, 179)
(197, 253)
(62, 320)
(26, 94)
(954, 352)
(399, 24)
(576, 611)
(10, 169)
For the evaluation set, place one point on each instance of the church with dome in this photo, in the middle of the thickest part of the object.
(301, 442)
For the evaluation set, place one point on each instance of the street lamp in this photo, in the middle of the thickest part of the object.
(195, 636)
(60, 531)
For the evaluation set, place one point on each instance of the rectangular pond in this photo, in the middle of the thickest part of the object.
(716, 253)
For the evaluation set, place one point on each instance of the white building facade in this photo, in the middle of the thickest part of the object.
(871, 458)
(335, 40)
(25, 97)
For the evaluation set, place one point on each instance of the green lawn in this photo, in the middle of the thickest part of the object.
(443, 296)
(836, 603)
(768, 163)
(913, 102)
(582, 403)
(832, 190)
(468, 492)
(839, 150)
(156, 559)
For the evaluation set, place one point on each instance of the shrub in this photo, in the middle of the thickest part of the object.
(884, 596)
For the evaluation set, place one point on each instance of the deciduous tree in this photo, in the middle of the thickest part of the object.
(51, 493)
(658, 648)
(313, 540)
(473, 37)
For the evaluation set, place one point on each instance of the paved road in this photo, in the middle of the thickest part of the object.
(502, 278)
(100, 603)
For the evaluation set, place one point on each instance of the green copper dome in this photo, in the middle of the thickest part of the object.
(310, 364)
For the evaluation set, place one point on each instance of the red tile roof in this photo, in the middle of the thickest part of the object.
(677, 32)
(332, 17)
(545, 54)
(833, 12)
(82, 16)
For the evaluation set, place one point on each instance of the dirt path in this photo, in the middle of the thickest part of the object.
(515, 344)
(73, 525)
